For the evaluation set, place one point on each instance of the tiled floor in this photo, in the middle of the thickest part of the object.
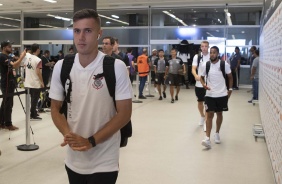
(165, 147)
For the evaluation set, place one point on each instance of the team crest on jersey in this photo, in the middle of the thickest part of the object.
(97, 84)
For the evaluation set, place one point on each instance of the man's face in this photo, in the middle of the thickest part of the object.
(173, 53)
(115, 47)
(85, 33)
(8, 49)
(161, 54)
(236, 51)
(213, 54)
(107, 47)
(154, 53)
(205, 48)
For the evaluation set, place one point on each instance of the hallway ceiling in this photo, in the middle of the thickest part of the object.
(39, 5)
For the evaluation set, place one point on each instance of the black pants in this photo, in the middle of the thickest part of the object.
(34, 95)
(235, 78)
(7, 104)
(96, 178)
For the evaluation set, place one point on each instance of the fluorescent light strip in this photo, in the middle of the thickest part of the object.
(44, 25)
(115, 16)
(126, 23)
(9, 18)
(50, 1)
(59, 17)
(233, 36)
(8, 25)
(176, 18)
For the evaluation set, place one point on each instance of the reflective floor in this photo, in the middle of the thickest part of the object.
(165, 147)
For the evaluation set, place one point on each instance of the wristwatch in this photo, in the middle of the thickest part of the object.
(92, 141)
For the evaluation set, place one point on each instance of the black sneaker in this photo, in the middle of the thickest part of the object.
(36, 118)
(41, 111)
(160, 98)
(172, 100)
(164, 95)
(142, 97)
(176, 97)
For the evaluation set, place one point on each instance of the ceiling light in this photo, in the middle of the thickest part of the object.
(217, 30)
(176, 18)
(233, 36)
(108, 22)
(243, 32)
(195, 11)
(194, 25)
(59, 17)
(126, 23)
(9, 18)
(1, 4)
(115, 16)
(50, 1)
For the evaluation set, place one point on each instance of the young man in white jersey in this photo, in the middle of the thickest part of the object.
(161, 66)
(33, 79)
(217, 95)
(91, 130)
(199, 62)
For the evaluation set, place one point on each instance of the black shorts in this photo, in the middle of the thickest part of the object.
(200, 94)
(160, 78)
(218, 104)
(153, 76)
(174, 79)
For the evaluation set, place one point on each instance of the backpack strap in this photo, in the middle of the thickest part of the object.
(199, 59)
(109, 74)
(222, 68)
(65, 74)
(208, 66)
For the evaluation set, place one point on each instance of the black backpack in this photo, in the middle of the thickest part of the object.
(110, 78)
(222, 68)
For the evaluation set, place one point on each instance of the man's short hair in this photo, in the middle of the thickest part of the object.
(216, 48)
(112, 41)
(174, 49)
(70, 48)
(205, 42)
(257, 52)
(161, 50)
(116, 40)
(60, 51)
(129, 50)
(34, 47)
(87, 14)
(46, 52)
(237, 48)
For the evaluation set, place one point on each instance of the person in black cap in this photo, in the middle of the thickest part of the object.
(8, 84)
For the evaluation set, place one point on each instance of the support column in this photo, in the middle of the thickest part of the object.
(79, 5)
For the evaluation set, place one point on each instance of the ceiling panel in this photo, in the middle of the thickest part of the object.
(35, 5)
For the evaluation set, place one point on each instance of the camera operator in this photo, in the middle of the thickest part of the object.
(8, 84)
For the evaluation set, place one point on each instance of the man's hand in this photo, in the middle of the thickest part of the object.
(229, 93)
(76, 142)
(23, 53)
(252, 77)
(206, 87)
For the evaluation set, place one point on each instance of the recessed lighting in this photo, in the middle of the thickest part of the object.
(243, 32)
(51, 1)
(115, 16)
(194, 25)
(108, 22)
(1, 4)
(195, 11)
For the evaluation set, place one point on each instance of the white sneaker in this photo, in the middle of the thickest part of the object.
(147, 88)
(206, 142)
(205, 127)
(156, 90)
(202, 121)
(217, 138)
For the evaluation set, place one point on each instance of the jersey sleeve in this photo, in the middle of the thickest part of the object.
(227, 68)
(156, 62)
(39, 65)
(195, 60)
(56, 88)
(123, 84)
